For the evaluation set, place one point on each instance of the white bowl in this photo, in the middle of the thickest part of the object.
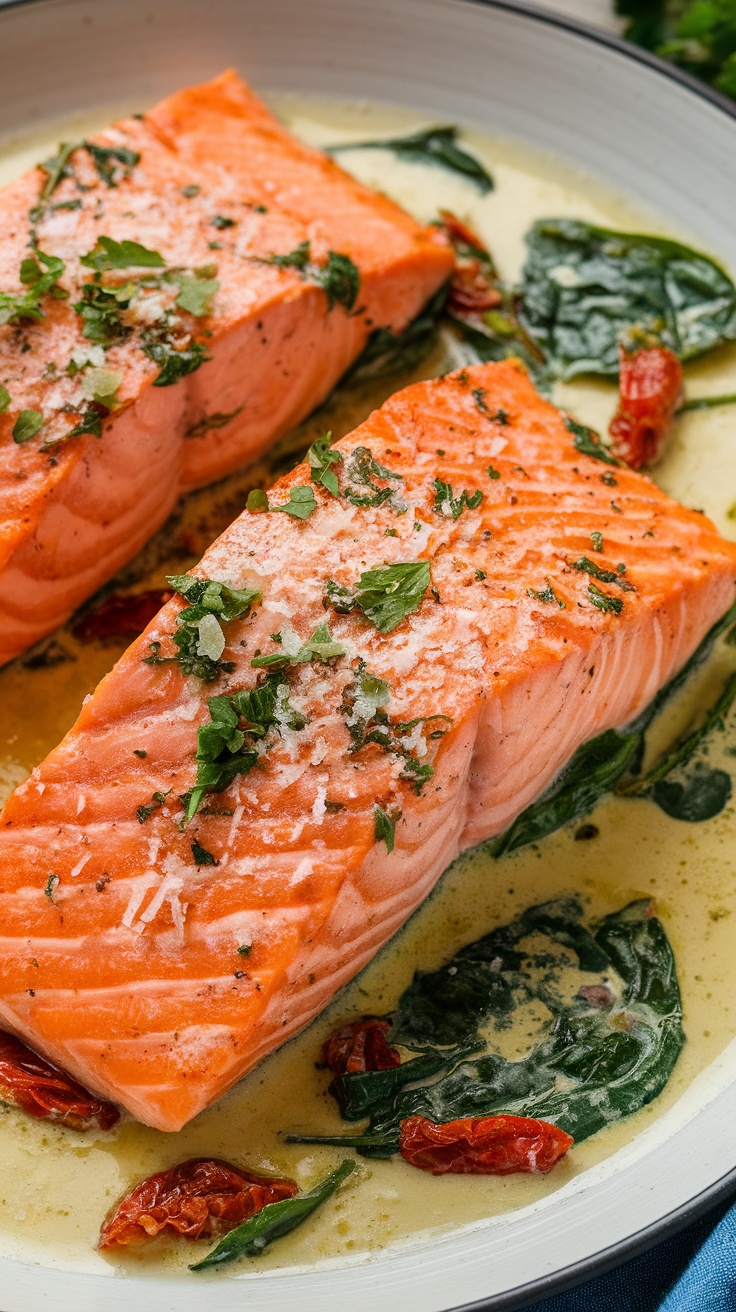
(669, 144)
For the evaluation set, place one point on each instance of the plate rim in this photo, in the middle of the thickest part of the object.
(672, 1223)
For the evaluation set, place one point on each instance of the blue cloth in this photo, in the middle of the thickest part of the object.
(693, 1272)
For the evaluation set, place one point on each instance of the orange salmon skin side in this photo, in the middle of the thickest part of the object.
(160, 982)
(210, 182)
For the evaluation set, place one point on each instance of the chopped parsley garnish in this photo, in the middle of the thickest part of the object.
(109, 254)
(199, 636)
(492, 473)
(52, 883)
(597, 540)
(190, 191)
(101, 385)
(386, 595)
(221, 222)
(245, 949)
(226, 746)
(89, 423)
(480, 574)
(138, 751)
(105, 159)
(368, 723)
(196, 291)
(100, 311)
(384, 826)
(339, 278)
(497, 416)
(56, 168)
(587, 442)
(175, 362)
(610, 480)
(603, 602)
(452, 507)
(587, 566)
(4, 399)
(28, 423)
(319, 647)
(146, 811)
(362, 471)
(546, 594)
(300, 505)
(321, 457)
(39, 281)
(201, 856)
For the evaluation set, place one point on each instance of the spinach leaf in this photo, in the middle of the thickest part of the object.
(583, 287)
(386, 352)
(436, 145)
(700, 795)
(598, 765)
(274, 1220)
(603, 1055)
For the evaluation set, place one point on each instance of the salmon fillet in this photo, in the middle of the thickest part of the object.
(210, 181)
(158, 981)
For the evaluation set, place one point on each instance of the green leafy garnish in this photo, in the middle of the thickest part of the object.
(274, 1220)
(56, 168)
(386, 595)
(602, 1055)
(547, 594)
(100, 309)
(585, 287)
(587, 442)
(105, 158)
(451, 506)
(52, 883)
(199, 636)
(4, 399)
(597, 540)
(109, 254)
(386, 352)
(368, 723)
(367, 483)
(602, 600)
(435, 145)
(28, 423)
(221, 222)
(339, 277)
(384, 826)
(319, 647)
(320, 457)
(88, 424)
(297, 259)
(201, 856)
(145, 811)
(587, 566)
(196, 293)
(174, 362)
(39, 281)
(226, 746)
(301, 503)
(101, 385)
(697, 35)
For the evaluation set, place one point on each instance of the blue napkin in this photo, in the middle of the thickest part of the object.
(693, 1272)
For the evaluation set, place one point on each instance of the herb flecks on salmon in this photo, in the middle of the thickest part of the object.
(489, 693)
(107, 263)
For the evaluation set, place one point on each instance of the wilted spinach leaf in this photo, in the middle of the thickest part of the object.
(583, 287)
(431, 146)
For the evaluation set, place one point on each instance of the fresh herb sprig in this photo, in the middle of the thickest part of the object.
(319, 647)
(199, 637)
(386, 595)
(368, 723)
(300, 504)
(449, 505)
(39, 274)
(320, 457)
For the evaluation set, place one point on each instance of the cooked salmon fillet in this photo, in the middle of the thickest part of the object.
(158, 981)
(214, 185)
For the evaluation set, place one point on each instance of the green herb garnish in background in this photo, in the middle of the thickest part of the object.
(436, 145)
(697, 35)
(386, 595)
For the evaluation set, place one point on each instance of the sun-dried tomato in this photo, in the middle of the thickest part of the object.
(474, 285)
(42, 1090)
(197, 1199)
(360, 1047)
(120, 615)
(650, 384)
(483, 1145)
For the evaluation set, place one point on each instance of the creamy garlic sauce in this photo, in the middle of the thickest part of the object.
(55, 1186)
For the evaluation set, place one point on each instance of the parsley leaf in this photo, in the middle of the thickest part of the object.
(368, 724)
(546, 594)
(587, 442)
(452, 507)
(145, 811)
(199, 637)
(196, 293)
(201, 856)
(105, 158)
(597, 540)
(101, 385)
(100, 309)
(384, 826)
(321, 457)
(175, 363)
(339, 277)
(386, 595)
(27, 305)
(28, 423)
(226, 745)
(319, 647)
(363, 470)
(4, 399)
(109, 254)
(297, 259)
(587, 566)
(603, 602)
(301, 503)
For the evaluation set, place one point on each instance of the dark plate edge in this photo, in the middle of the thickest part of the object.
(670, 1225)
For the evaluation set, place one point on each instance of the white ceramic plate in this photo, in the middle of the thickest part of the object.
(652, 134)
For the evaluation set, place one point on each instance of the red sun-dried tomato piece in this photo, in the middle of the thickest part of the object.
(360, 1047)
(474, 285)
(483, 1145)
(650, 384)
(120, 615)
(197, 1199)
(40, 1089)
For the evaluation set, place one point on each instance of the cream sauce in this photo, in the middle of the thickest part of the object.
(57, 1186)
